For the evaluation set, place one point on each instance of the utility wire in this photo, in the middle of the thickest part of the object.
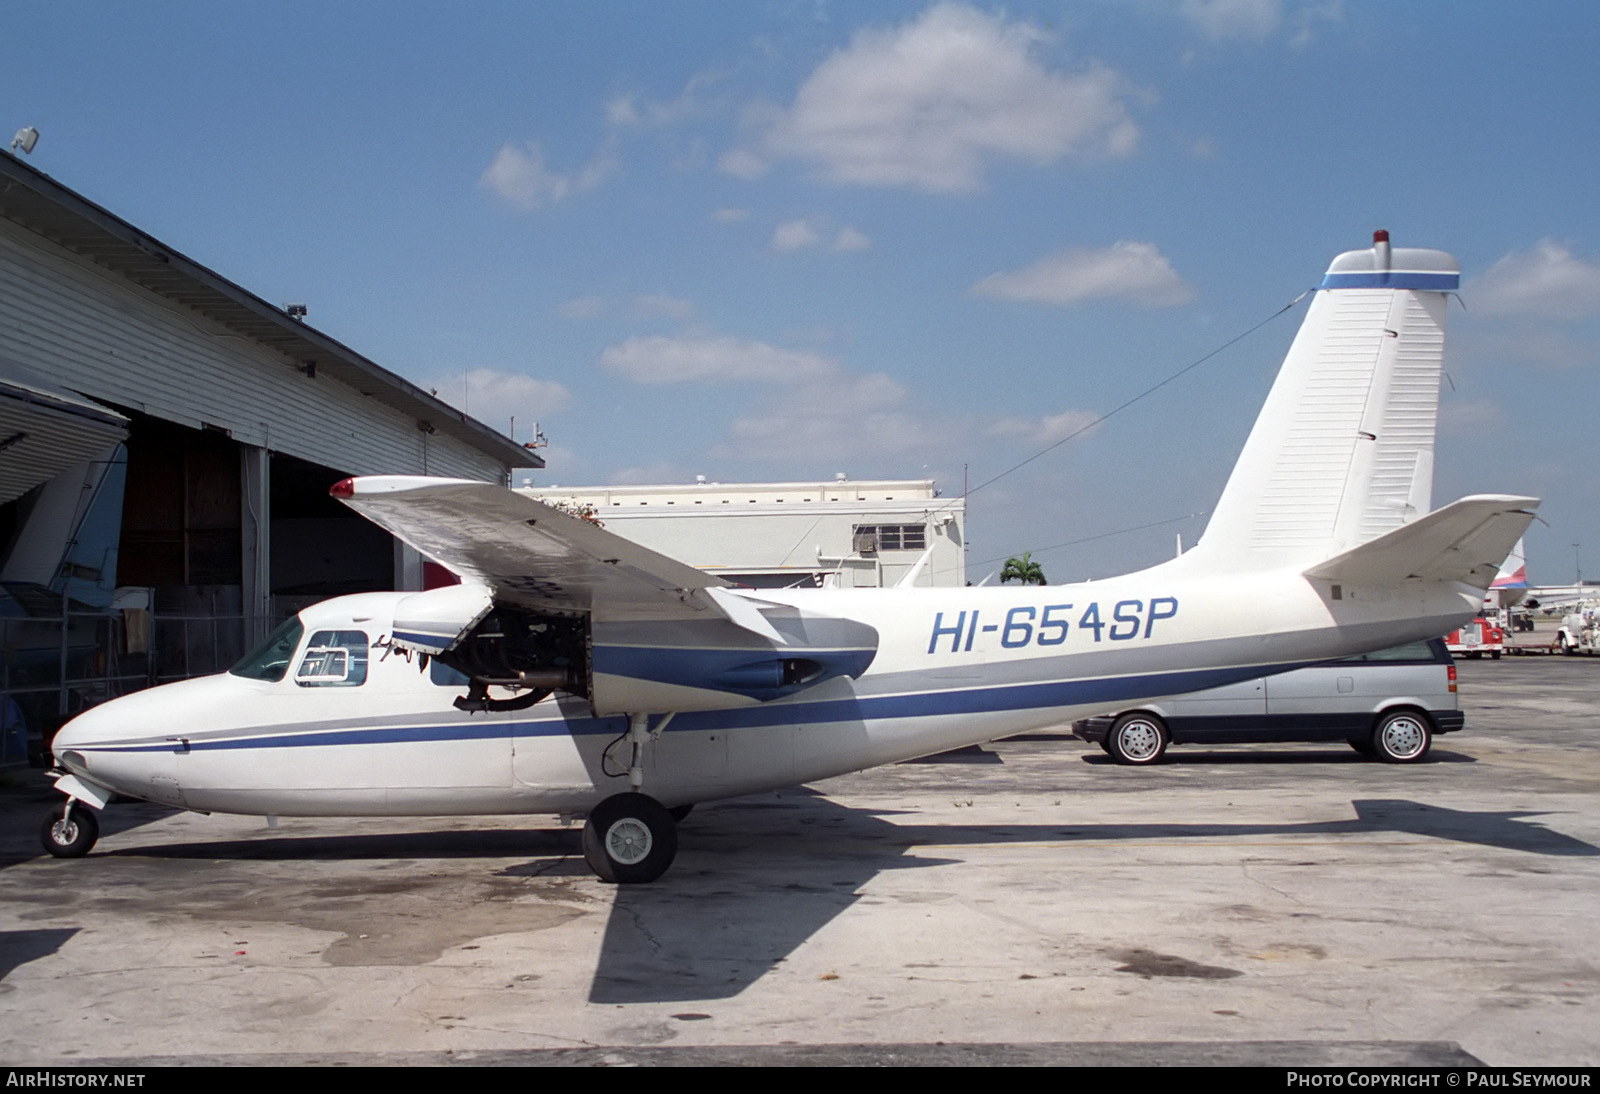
(1143, 394)
(1102, 535)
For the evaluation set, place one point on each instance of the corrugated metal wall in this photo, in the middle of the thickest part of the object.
(91, 330)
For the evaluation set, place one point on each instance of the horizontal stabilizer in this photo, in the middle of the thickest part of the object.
(1465, 541)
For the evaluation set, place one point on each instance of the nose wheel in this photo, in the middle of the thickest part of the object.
(70, 832)
(629, 839)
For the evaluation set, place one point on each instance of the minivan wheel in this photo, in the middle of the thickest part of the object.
(1402, 737)
(1137, 739)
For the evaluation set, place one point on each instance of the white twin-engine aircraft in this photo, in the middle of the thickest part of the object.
(574, 672)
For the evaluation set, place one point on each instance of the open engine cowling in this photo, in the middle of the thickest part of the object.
(624, 667)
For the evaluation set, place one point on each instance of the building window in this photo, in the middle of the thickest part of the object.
(889, 537)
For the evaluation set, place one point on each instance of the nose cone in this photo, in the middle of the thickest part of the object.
(117, 722)
(130, 744)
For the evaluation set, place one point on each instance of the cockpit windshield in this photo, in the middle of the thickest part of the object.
(270, 660)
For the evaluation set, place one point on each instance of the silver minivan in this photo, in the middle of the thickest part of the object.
(1388, 705)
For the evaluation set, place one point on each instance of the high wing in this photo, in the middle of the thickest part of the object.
(528, 553)
(550, 601)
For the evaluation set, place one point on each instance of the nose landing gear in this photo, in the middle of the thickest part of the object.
(71, 832)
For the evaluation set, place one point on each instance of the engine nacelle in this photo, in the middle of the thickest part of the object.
(714, 664)
(627, 667)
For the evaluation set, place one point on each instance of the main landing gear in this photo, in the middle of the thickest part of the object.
(631, 838)
(71, 831)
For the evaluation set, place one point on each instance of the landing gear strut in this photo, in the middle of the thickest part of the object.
(631, 838)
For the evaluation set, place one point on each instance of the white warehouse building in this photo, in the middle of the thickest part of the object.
(772, 535)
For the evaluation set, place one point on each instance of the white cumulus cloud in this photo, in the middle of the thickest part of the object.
(1046, 430)
(929, 104)
(1546, 281)
(494, 397)
(1255, 20)
(1126, 270)
(699, 358)
(848, 239)
(520, 176)
(861, 419)
(794, 235)
(807, 233)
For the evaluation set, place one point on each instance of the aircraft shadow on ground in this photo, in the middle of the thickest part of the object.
(21, 947)
(755, 879)
(466, 844)
(725, 917)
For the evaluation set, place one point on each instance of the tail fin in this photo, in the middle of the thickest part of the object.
(1343, 449)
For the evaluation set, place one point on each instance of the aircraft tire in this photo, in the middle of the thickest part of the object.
(1137, 739)
(1402, 737)
(629, 839)
(70, 832)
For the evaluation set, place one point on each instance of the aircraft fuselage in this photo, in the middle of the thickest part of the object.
(952, 667)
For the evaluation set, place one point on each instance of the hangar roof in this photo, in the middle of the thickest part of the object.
(37, 202)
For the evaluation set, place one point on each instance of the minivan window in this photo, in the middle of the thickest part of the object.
(1411, 651)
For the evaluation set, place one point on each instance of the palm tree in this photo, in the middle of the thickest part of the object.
(1023, 569)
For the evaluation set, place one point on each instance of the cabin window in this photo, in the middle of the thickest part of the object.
(334, 659)
(270, 660)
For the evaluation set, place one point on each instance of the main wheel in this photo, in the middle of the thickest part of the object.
(629, 839)
(1402, 737)
(70, 832)
(1137, 739)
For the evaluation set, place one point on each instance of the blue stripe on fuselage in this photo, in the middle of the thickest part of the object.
(1111, 691)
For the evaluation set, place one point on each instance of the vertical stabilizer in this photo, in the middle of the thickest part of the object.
(1343, 449)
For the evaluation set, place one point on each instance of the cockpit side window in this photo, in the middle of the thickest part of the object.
(270, 660)
(336, 659)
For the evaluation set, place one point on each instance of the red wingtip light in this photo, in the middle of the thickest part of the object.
(344, 488)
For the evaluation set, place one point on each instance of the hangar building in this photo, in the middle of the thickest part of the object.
(167, 439)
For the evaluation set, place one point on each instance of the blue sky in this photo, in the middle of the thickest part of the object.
(782, 240)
